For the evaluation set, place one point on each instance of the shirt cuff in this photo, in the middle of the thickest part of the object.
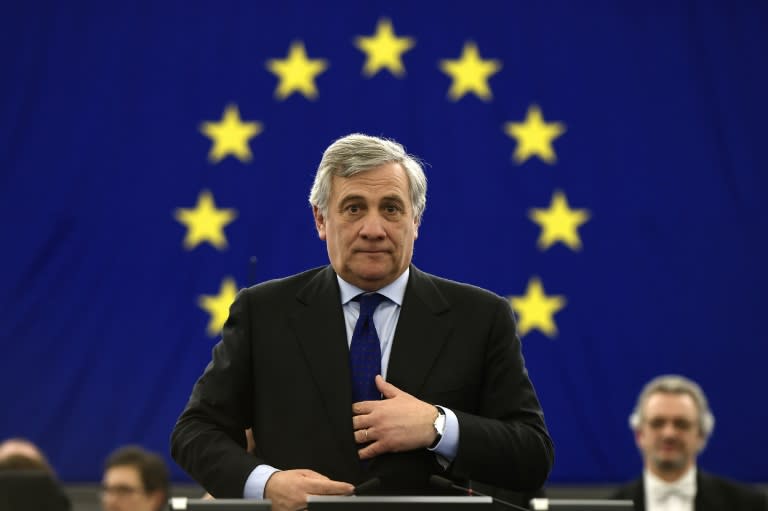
(257, 481)
(448, 445)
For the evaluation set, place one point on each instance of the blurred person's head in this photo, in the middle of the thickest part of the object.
(27, 480)
(135, 479)
(672, 423)
(21, 454)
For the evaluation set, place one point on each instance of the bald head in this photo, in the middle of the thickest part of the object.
(21, 454)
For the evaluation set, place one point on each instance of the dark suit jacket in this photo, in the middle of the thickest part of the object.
(712, 494)
(31, 490)
(282, 368)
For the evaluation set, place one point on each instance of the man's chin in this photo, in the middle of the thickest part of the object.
(372, 278)
(670, 463)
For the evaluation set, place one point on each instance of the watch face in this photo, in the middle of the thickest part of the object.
(440, 424)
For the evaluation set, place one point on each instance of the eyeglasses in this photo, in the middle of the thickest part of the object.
(678, 424)
(120, 490)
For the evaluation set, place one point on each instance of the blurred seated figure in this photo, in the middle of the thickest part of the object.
(135, 479)
(672, 423)
(27, 481)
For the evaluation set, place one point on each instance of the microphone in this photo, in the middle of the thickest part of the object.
(447, 484)
(252, 270)
(367, 486)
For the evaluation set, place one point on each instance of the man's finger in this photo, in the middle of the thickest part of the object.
(311, 474)
(361, 422)
(369, 451)
(328, 487)
(363, 407)
(387, 389)
(364, 436)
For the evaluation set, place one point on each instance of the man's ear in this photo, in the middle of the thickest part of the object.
(638, 438)
(319, 222)
(159, 499)
(702, 442)
(416, 224)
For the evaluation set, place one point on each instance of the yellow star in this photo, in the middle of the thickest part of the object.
(384, 49)
(205, 222)
(470, 73)
(296, 72)
(559, 222)
(534, 136)
(230, 135)
(218, 305)
(535, 309)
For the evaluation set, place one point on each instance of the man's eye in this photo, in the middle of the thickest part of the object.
(352, 208)
(391, 209)
(679, 424)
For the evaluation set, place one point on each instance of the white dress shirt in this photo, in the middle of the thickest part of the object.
(663, 496)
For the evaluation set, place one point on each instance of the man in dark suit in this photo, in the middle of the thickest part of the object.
(672, 423)
(301, 364)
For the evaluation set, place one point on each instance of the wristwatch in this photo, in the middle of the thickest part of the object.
(439, 426)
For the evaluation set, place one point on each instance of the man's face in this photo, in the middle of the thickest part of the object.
(122, 490)
(370, 227)
(669, 435)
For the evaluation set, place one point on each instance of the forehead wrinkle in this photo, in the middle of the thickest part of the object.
(356, 196)
(369, 195)
(369, 181)
(671, 405)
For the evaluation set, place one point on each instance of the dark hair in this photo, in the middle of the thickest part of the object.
(151, 467)
(19, 462)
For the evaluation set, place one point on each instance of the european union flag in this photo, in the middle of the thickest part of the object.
(599, 164)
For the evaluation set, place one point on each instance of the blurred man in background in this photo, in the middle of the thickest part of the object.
(27, 480)
(135, 479)
(672, 423)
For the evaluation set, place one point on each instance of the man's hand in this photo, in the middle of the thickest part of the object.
(399, 422)
(288, 489)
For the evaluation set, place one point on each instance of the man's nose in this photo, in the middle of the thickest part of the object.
(669, 429)
(373, 226)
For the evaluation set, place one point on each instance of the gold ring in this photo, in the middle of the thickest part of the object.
(366, 434)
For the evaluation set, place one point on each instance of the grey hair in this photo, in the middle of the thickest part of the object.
(675, 384)
(357, 153)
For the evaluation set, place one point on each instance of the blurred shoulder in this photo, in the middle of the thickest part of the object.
(732, 491)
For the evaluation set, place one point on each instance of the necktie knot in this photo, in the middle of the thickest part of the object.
(684, 490)
(368, 303)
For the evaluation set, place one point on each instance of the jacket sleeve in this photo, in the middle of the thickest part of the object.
(208, 440)
(505, 443)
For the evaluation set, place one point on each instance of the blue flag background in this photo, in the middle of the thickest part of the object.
(601, 164)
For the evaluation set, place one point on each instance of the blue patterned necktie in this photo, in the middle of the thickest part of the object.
(365, 351)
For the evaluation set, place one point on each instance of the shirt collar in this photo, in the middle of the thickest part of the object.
(657, 487)
(394, 291)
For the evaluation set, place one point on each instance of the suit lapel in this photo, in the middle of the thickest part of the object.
(422, 329)
(321, 333)
(706, 499)
(638, 495)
